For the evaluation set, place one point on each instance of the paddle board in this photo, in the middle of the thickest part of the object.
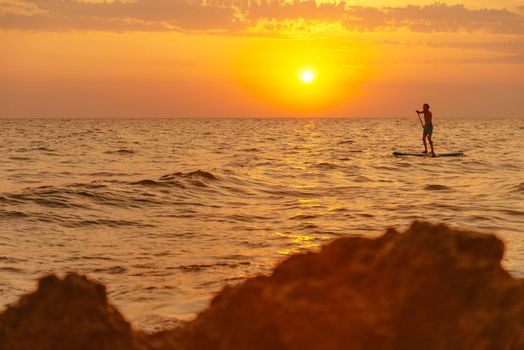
(450, 154)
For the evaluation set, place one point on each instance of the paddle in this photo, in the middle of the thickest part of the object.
(418, 114)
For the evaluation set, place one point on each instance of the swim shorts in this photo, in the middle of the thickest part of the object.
(428, 129)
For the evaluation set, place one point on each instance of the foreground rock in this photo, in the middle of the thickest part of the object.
(72, 313)
(429, 288)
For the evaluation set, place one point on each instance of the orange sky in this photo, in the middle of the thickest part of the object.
(174, 58)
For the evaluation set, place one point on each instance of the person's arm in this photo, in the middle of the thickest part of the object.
(423, 126)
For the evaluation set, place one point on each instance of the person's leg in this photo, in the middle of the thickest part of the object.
(431, 144)
(424, 140)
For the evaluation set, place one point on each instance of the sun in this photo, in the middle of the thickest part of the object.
(307, 76)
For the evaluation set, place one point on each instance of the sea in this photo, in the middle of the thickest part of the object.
(166, 212)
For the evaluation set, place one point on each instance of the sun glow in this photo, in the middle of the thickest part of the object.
(288, 78)
(307, 77)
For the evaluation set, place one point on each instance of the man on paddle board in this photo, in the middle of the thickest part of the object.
(428, 128)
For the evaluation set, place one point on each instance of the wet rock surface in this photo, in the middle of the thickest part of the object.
(430, 287)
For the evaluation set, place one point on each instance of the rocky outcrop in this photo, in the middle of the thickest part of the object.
(69, 313)
(430, 287)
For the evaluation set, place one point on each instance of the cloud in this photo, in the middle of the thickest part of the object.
(160, 15)
(282, 10)
(18, 7)
(445, 18)
(236, 16)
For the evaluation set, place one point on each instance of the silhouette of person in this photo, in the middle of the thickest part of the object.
(428, 128)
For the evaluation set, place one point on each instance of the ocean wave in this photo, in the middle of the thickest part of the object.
(20, 158)
(325, 165)
(194, 267)
(13, 214)
(120, 151)
(108, 222)
(48, 198)
(5, 259)
(107, 174)
(9, 200)
(201, 267)
(304, 217)
(111, 270)
(518, 188)
(512, 212)
(42, 149)
(346, 142)
(76, 196)
(436, 187)
(11, 269)
(198, 174)
(154, 183)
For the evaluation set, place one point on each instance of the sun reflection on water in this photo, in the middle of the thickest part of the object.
(300, 241)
